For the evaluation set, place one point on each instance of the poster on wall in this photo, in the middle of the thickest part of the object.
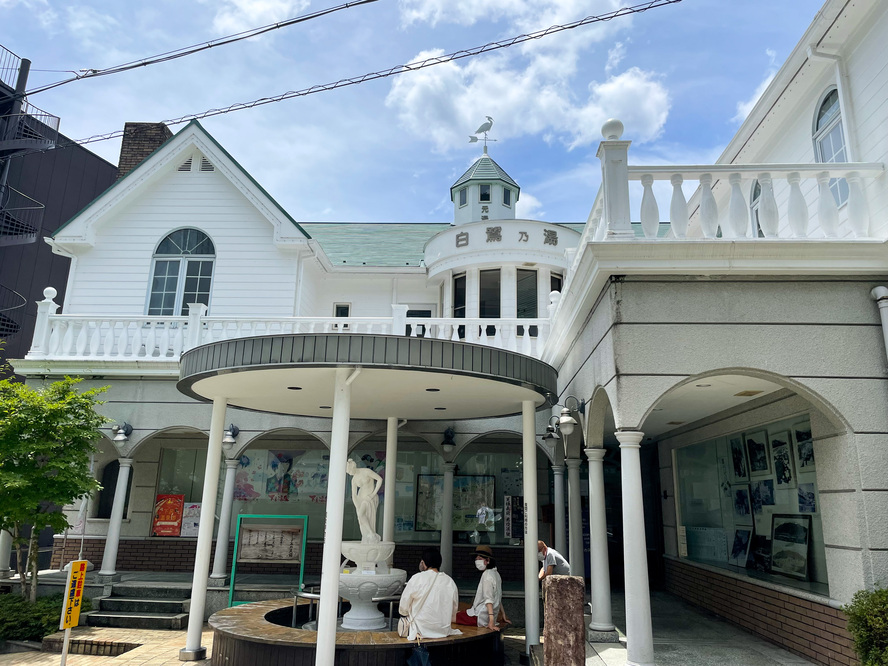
(740, 546)
(783, 460)
(249, 478)
(807, 498)
(742, 505)
(473, 503)
(762, 494)
(514, 517)
(790, 535)
(190, 519)
(757, 448)
(168, 511)
(739, 467)
(804, 447)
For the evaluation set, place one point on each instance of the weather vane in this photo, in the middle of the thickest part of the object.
(484, 129)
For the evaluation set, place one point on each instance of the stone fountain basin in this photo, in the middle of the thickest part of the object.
(364, 553)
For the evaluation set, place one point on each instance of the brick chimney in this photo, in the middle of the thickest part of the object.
(139, 141)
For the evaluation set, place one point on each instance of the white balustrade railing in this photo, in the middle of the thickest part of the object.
(524, 336)
(734, 220)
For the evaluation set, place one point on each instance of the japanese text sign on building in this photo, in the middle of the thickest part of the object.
(462, 239)
(71, 611)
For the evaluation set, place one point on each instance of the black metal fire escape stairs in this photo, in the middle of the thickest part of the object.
(23, 129)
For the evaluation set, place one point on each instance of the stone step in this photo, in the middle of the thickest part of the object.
(126, 620)
(148, 591)
(135, 605)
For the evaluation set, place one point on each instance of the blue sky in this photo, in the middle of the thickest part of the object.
(679, 77)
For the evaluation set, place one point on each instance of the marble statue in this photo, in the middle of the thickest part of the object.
(365, 494)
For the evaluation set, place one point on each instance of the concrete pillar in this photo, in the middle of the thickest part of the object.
(639, 636)
(575, 516)
(220, 561)
(336, 479)
(509, 292)
(613, 154)
(5, 554)
(391, 474)
(599, 575)
(531, 510)
(112, 541)
(193, 650)
(560, 535)
(447, 520)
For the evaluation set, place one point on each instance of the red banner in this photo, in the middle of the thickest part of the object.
(168, 512)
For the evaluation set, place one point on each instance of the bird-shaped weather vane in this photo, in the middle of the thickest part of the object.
(484, 129)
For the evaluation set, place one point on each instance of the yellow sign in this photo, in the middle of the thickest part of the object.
(71, 612)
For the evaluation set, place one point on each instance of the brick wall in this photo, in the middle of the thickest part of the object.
(812, 630)
(177, 555)
(139, 141)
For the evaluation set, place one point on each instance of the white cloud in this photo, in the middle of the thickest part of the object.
(237, 15)
(528, 207)
(615, 57)
(89, 26)
(45, 14)
(744, 107)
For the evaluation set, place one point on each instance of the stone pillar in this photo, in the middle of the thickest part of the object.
(220, 561)
(108, 572)
(639, 635)
(447, 520)
(560, 535)
(193, 650)
(614, 155)
(531, 510)
(575, 516)
(5, 554)
(336, 482)
(509, 292)
(391, 474)
(564, 636)
(599, 574)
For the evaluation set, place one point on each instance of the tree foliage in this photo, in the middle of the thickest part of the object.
(46, 438)
(868, 623)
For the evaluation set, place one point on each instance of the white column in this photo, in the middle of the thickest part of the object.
(509, 292)
(447, 520)
(613, 154)
(333, 531)
(112, 541)
(575, 516)
(5, 554)
(531, 569)
(220, 561)
(600, 569)
(473, 293)
(560, 535)
(193, 650)
(639, 637)
(391, 474)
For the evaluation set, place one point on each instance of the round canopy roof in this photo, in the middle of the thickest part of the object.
(406, 377)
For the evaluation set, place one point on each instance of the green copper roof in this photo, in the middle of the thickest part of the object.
(484, 169)
(373, 244)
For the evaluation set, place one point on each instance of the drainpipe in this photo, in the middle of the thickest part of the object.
(842, 87)
(880, 296)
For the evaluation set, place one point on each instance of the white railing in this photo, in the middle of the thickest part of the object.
(157, 339)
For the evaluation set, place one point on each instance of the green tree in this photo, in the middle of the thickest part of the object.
(46, 438)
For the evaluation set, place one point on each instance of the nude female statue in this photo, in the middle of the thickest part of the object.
(365, 494)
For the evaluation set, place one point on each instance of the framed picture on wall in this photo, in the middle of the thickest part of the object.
(790, 535)
(473, 503)
(781, 454)
(804, 444)
(742, 505)
(740, 546)
(757, 450)
(739, 465)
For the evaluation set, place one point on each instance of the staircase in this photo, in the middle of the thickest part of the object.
(140, 607)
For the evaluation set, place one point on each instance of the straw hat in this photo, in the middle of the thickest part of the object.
(483, 551)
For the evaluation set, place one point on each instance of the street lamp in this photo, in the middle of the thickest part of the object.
(122, 432)
(228, 437)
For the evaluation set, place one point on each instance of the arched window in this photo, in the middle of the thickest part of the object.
(182, 273)
(829, 141)
(755, 198)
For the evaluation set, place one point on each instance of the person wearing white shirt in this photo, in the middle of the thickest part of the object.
(430, 600)
(486, 608)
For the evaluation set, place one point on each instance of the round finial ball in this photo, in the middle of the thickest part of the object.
(612, 130)
(49, 293)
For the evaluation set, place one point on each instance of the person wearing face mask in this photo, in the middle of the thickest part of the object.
(430, 599)
(553, 562)
(487, 605)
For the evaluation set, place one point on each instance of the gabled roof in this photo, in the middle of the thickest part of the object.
(373, 244)
(484, 169)
(192, 135)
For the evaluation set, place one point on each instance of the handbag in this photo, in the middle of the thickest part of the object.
(405, 622)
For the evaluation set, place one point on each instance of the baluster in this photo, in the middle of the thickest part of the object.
(827, 210)
(68, 340)
(542, 336)
(708, 207)
(678, 208)
(858, 215)
(82, 338)
(650, 212)
(525, 342)
(769, 217)
(151, 339)
(178, 341)
(738, 211)
(509, 334)
(498, 336)
(109, 339)
(455, 336)
(122, 338)
(137, 340)
(482, 338)
(441, 330)
(55, 337)
(164, 347)
(95, 341)
(797, 210)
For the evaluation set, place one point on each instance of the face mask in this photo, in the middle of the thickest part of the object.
(541, 557)
(480, 565)
(422, 566)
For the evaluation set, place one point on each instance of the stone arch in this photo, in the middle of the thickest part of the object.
(597, 412)
(272, 431)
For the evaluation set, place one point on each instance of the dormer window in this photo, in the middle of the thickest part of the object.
(463, 196)
(507, 197)
(485, 194)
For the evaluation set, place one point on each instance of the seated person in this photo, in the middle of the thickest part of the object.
(430, 599)
(486, 608)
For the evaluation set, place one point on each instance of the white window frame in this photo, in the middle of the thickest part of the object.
(490, 193)
(463, 197)
(819, 134)
(344, 327)
(180, 280)
(509, 190)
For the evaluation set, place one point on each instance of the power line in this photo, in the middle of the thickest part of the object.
(401, 69)
(190, 50)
